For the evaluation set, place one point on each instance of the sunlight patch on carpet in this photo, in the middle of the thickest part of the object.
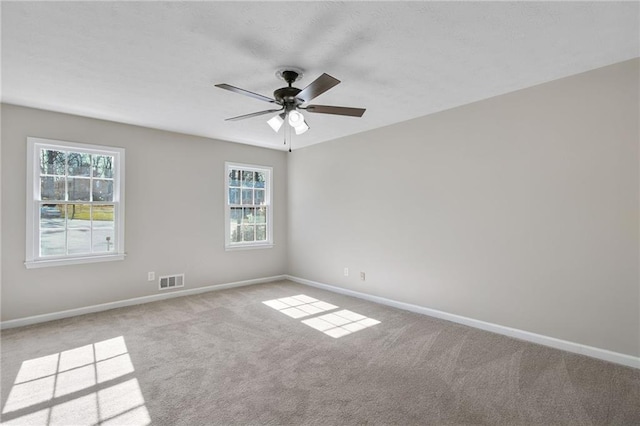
(340, 323)
(334, 324)
(299, 306)
(81, 386)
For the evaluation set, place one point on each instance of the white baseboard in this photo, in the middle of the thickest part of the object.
(129, 302)
(603, 354)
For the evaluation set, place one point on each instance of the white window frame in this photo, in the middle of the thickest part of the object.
(229, 245)
(33, 257)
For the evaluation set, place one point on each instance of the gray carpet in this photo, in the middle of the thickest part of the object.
(225, 357)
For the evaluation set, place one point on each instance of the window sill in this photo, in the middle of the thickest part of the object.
(248, 247)
(45, 263)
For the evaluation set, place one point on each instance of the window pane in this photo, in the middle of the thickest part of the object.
(52, 232)
(102, 190)
(259, 197)
(259, 180)
(249, 215)
(236, 214)
(78, 189)
(79, 240)
(247, 179)
(52, 211)
(78, 228)
(235, 221)
(102, 215)
(234, 178)
(79, 164)
(235, 234)
(78, 215)
(248, 232)
(102, 239)
(261, 215)
(247, 196)
(261, 232)
(52, 162)
(103, 228)
(52, 188)
(103, 166)
(234, 196)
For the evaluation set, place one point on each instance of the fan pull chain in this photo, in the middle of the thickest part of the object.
(287, 134)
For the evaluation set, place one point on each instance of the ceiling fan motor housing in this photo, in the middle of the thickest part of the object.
(287, 96)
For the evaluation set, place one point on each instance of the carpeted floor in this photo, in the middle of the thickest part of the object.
(225, 357)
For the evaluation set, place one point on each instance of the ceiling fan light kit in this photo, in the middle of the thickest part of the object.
(296, 120)
(276, 122)
(291, 100)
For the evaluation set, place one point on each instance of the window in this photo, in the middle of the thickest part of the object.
(248, 206)
(75, 203)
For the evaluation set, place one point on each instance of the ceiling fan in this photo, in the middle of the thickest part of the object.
(291, 100)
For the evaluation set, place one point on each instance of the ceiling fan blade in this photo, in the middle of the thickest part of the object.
(253, 114)
(246, 93)
(317, 87)
(337, 110)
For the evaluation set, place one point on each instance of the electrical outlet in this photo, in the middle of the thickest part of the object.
(151, 276)
(346, 272)
(362, 276)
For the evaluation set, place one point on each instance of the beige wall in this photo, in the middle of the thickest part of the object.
(174, 215)
(520, 210)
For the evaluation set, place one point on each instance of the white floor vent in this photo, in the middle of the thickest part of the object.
(171, 281)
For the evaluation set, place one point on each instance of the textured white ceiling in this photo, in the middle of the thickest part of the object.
(155, 63)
